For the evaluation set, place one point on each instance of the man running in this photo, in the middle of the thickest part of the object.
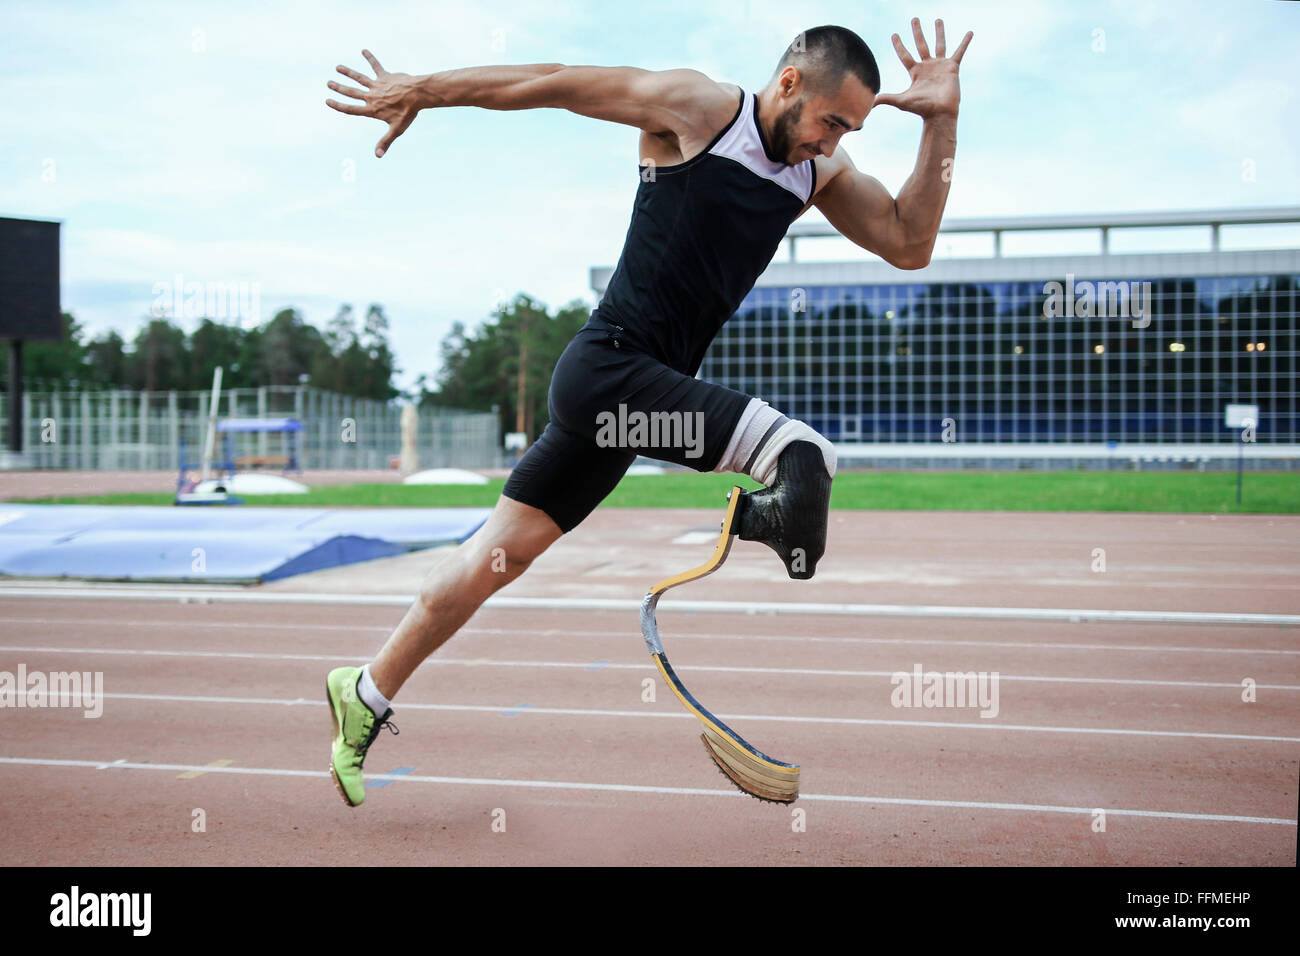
(724, 174)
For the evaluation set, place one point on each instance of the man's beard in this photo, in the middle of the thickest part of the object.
(782, 144)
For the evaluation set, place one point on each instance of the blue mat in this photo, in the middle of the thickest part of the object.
(215, 545)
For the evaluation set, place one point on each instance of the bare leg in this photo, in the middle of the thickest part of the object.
(514, 535)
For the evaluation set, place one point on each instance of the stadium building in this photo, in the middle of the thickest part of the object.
(1131, 355)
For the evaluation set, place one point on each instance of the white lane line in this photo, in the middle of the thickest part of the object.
(811, 639)
(675, 791)
(684, 635)
(198, 625)
(1073, 615)
(610, 665)
(682, 715)
(150, 652)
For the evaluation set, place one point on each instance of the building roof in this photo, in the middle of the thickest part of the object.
(1029, 268)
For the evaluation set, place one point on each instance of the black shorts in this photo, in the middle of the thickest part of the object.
(591, 442)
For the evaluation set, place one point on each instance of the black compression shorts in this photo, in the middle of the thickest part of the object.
(591, 442)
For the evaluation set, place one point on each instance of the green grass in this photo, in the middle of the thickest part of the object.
(1194, 492)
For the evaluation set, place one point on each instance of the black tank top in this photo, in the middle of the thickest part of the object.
(702, 232)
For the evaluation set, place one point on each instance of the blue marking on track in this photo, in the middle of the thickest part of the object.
(596, 666)
(376, 784)
(517, 709)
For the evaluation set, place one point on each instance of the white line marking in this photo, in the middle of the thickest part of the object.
(675, 791)
(611, 665)
(684, 635)
(200, 625)
(681, 715)
(810, 639)
(233, 655)
(696, 537)
(208, 594)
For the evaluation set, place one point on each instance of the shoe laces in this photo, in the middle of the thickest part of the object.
(377, 725)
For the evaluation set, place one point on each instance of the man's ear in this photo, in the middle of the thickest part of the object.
(789, 81)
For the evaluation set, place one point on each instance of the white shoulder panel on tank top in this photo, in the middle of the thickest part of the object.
(742, 143)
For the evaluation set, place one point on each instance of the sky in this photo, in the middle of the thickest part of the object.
(183, 143)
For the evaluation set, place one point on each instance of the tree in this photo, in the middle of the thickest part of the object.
(377, 381)
(356, 362)
(250, 366)
(160, 358)
(510, 356)
(56, 364)
(214, 344)
(106, 360)
(289, 348)
(283, 351)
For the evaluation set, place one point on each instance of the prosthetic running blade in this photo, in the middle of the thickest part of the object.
(750, 769)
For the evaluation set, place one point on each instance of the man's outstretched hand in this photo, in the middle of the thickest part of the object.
(934, 90)
(388, 98)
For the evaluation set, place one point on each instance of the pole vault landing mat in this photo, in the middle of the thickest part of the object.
(218, 545)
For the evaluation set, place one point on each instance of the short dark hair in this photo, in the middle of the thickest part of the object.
(825, 55)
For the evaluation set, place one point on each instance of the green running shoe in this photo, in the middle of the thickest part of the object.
(355, 729)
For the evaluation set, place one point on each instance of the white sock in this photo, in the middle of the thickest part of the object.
(369, 694)
(764, 465)
(758, 419)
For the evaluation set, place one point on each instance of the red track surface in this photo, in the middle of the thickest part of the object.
(881, 785)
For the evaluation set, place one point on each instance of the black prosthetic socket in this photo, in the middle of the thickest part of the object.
(789, 516)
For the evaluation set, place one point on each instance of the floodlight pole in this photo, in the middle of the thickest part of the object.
(1241, 453)
(211, 438)
(16, 396)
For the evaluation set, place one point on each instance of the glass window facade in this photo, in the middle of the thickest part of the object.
(892, 363)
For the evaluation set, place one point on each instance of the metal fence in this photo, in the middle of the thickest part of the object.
(126, 430)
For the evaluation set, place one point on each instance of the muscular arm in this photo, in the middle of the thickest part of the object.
(901, 231)
(678, 103)
(655, 102)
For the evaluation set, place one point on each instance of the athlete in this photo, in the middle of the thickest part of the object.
(724, 172)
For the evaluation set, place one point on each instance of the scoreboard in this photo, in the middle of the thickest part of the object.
(29, 281)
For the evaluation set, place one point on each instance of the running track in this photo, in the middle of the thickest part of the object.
(533, 716)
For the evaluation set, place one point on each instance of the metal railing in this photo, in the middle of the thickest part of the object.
(127, 430)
